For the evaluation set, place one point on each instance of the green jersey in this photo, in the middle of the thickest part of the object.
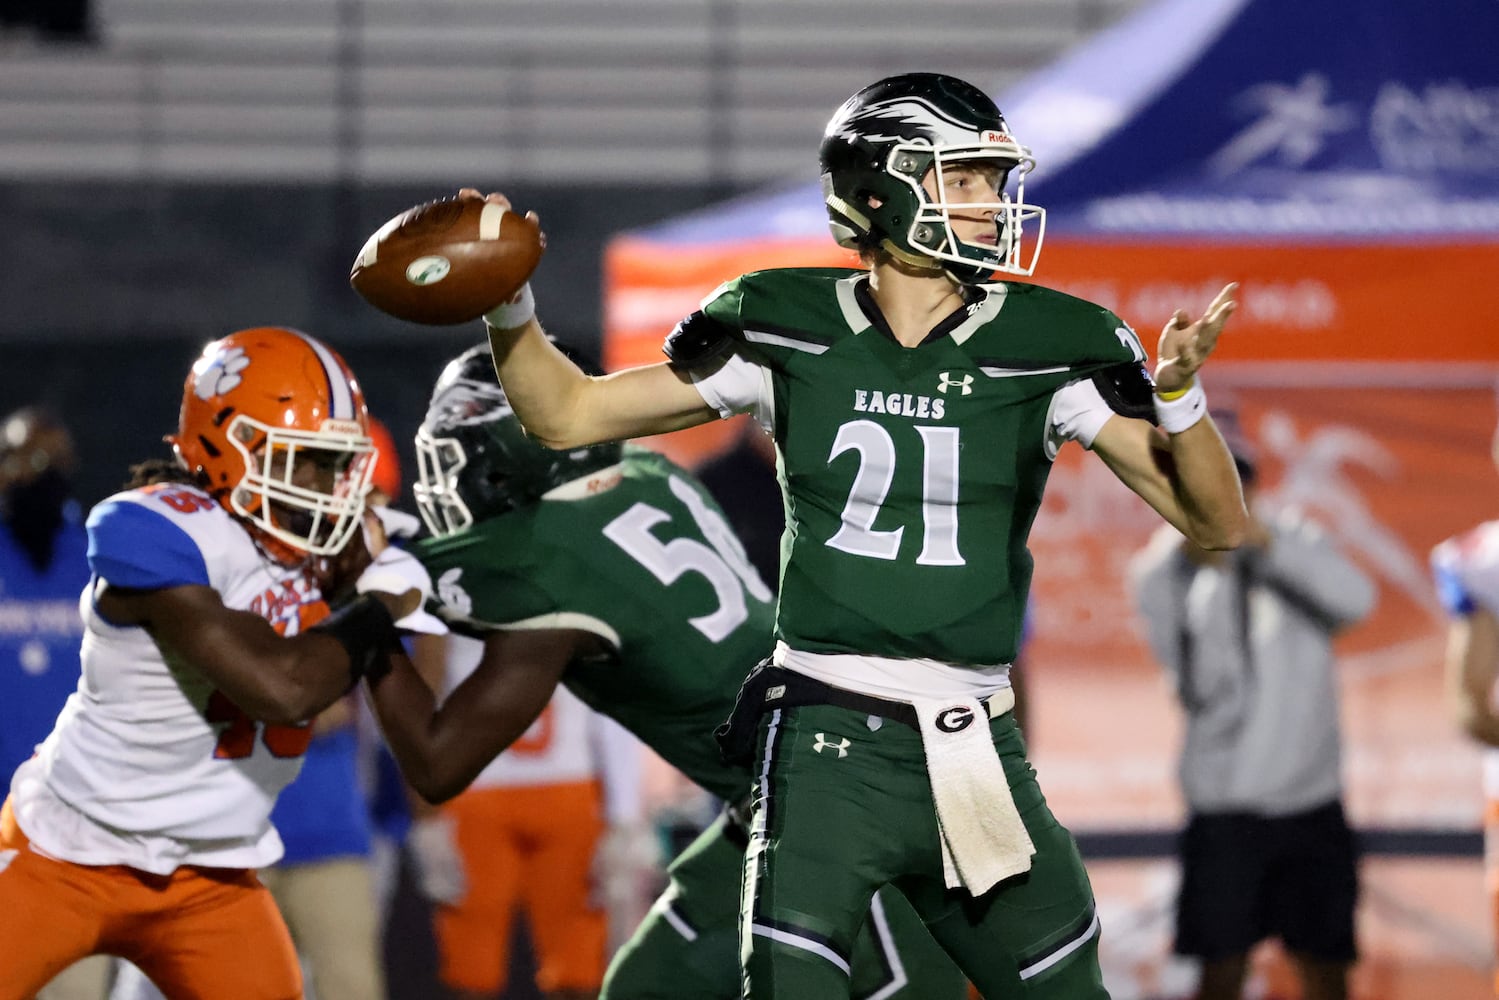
(653, 568)
(911, 475)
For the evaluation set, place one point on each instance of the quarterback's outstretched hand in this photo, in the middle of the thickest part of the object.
(1185, 346)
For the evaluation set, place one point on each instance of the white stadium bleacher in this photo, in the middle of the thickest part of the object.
(395, 90)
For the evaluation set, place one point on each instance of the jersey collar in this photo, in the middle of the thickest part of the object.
(861, 312)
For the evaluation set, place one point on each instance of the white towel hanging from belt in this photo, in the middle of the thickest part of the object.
(984, 840)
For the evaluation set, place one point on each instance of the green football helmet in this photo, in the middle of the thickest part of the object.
(886, 138)
(474, 459)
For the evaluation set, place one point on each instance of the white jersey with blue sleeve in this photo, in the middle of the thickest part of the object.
(1466, 569)
(148, 764)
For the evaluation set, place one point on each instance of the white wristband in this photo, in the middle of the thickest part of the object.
(518, 310)
(1176, 415)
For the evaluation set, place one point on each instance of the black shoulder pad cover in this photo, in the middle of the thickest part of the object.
(1128, 389)
(698, 340)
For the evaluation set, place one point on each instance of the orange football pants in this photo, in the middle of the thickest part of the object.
(199, 933)
(530, 849)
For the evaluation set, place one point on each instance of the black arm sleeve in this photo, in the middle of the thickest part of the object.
(698, 341)
(1128, 389)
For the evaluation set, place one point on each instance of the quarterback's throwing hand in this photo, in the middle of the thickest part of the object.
(495, 198)
(1185, 346)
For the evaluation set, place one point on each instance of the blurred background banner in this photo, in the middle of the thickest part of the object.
(1390, 460)
(1337, 160)
(1389, 471)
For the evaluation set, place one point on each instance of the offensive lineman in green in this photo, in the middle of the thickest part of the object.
(612, 571)
(916, 409)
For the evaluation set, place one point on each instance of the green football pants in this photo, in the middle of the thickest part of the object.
(842, 810)
(687, 948)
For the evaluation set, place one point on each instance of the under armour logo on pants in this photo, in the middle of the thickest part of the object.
(841, 745)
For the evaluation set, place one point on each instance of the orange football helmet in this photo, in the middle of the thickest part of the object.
(275, 423)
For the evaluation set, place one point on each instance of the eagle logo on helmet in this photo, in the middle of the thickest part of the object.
(904, 119)
(474, 458)
(222, 374)
(466, 402)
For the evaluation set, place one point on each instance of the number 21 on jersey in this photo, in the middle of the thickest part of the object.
(939, 494)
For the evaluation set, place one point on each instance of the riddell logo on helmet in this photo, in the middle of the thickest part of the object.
(990, 135)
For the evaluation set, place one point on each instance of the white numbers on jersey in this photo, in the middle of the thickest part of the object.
(939, 494)
(721, 562)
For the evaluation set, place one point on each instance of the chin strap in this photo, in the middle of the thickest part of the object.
(920, 261)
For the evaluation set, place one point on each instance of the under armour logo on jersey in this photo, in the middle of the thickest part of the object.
(450, 593)
(222, 374)
(946, 380)
(955, 720)
(823, 742)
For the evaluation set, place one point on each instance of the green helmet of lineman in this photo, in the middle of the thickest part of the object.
(474, 458)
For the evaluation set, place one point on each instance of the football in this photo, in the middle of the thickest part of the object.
(447, 261)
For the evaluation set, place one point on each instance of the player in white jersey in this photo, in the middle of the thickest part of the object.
(1467, 576)
(208, 644)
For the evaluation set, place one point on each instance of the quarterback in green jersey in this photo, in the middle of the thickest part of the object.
(917, 406)
(613, 572)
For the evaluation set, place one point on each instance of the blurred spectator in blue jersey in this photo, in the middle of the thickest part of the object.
(43, 570)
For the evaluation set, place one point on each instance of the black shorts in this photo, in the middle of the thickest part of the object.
(1246, 878)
